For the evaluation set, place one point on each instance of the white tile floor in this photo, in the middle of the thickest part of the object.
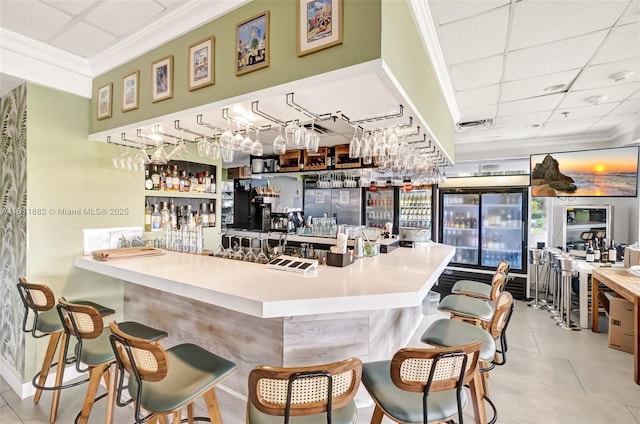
(551, 376)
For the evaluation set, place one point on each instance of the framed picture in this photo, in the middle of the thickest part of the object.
(319, 25)
(130, 91)
(201, 62)
(162, 79)
(105, 95)
(252, 41)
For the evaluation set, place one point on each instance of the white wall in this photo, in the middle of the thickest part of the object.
(290, 191)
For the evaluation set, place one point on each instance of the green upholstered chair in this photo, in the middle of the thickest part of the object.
(304, 395)
(422, 385)
(448, 333)
(39, 303)
(483, 290)
(163, 382)
(93, 353)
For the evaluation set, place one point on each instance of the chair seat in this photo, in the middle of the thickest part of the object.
(472, 288)
(192, 370)
(448, 333)
(98, 351)
(405, 406)
(468, 306)
(104, 311)
(345, 415)
(49, 321)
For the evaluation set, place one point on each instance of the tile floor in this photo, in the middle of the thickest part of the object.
(551, 376)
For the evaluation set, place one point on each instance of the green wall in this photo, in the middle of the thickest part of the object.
(361, 43)
(404, 54)
(66, 170)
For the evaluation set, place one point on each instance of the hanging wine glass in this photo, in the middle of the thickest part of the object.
(159, 157)
(367, 150)
(290, 132)
(114, 157)
(247, 143)
(226, 138)
(355, 145)
(314, 139)
(257, 149)
(216, 149)
(236, 143)
(204, 148)
(227, 154)
(279, 143)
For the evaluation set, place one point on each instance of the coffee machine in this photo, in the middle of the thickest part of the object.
(260, 215)
(250, 211)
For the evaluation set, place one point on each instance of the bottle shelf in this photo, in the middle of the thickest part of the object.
(457, 228)
(180, 194)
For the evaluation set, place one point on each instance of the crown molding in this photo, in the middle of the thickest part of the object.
(182, 20)
(424, 21)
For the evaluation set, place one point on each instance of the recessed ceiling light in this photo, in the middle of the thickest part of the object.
(620, 76)
(534, 126)
(554, 88)
(596, 99)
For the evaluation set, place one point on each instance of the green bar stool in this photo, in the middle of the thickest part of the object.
(39, 302)
(423, 385)
(483, 290)
(163, 381)
(93, 350)
(304, 395)
(448, 333)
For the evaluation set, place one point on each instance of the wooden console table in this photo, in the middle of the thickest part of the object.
(627, 286)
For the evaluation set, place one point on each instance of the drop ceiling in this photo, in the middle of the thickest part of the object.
(499, 56)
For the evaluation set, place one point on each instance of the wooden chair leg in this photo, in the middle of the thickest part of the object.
(162, 419)
(377, 416)
(55, 399)
(190, 414)
(94, 382)
(111, 373)
(177, 416)
(54, 338)
(479, 411)
(153, 420)
(211, 400)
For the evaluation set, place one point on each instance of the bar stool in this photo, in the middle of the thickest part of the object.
(478, 288)
(39, 300)
(304, 394)
(568, 269)
(165, 381)
(535, 259)
(93, 349)
(448, 333)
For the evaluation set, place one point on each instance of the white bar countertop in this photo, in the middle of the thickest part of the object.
(308, 238)
(399, 279)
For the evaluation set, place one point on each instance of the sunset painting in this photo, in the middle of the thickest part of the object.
(590, 173)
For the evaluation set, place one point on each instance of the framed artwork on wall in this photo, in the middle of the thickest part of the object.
(201, 63)
(252, 44)
(319, 25)
(162, 79)
(131, 91)
(105, 94)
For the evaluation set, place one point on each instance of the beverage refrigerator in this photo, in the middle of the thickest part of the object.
(485, 225)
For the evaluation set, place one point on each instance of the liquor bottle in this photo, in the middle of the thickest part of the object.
(155, 178)
(165, 222)
(187, 181)
(613, 252)
(173, 216)
(212, 190)
(207, 182)
(604, 251)
(163, 179)
(194, 182)
(212, 214)
(169, 180)
(183, 182)
(596, 250)
(147, 217)
(156, 219)
(590, 254)
(204, 214)
(148, 184)
(176, 178)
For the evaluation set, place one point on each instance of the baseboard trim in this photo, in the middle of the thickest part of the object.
(25, 389)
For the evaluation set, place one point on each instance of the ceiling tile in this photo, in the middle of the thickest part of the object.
(74, 7)
(477, 74)
(83, 39)
(614, 93)
(518, 133)
(611, 121)
(632, 14)
(444, 11)
(478, 96)
(573, 113)
(38, 21)
(173, 3)
(539, 22)
(553, 57)
(537, 104)
(474, 38)
(571, 126)
(123, 17)
(478, 113)
(532, 87)
(622, 43)
(629, 106)
(598, 75)
(521, 121)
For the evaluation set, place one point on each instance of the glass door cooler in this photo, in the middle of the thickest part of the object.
(502, 229)
(379, 207)
(415, 208)
(459, 228)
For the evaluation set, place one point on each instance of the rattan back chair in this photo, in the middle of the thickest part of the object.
(305, 391)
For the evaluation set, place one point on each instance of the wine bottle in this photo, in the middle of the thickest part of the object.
(148, 184)
(613, 252)
(147, 217)
(156, 219)
(596, 250)
(590, 253)
(604, 253)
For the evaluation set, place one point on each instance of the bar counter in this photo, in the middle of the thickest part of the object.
(257, 316)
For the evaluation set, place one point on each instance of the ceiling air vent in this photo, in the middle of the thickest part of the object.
(482, 123)
(318, 129)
